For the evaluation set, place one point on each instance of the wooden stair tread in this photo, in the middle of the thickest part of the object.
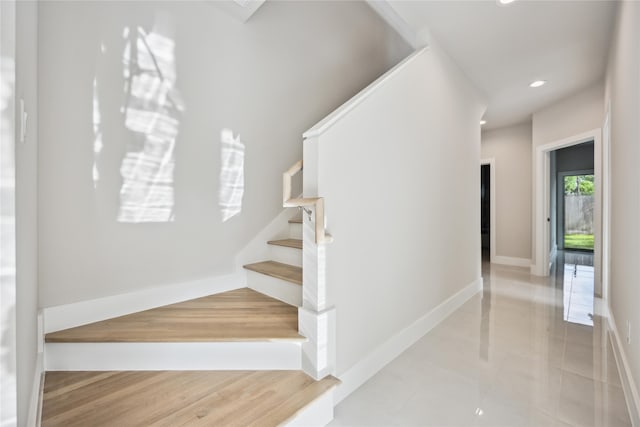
(238, 315)
(171, 398)
(289, 243)
(296, 220)
(279, 270)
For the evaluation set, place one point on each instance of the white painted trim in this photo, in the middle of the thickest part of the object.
(35, 402)
(540, 226)
(492, 215)
(631, 393)
(377, 359)
(552, 255)
(333, 118)
(84, 312)
(516, 262)
(183, 356)
(606, 204)
(395, 21)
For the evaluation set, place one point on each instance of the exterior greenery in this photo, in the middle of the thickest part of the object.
(578, 241)
(580, 184)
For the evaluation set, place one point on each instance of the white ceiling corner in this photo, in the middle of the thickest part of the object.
(242, 10)
(395, 21)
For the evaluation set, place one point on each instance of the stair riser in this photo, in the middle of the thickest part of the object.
(318, 413)
(282, 290)
(295, 231)
(172, 356)
(286, 255)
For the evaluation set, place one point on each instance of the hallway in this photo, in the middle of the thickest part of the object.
(515, 355)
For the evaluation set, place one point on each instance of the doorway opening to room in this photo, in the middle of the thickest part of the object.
(485, 211)
(572, 209)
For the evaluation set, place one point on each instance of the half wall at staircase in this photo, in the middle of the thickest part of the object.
(398, 169)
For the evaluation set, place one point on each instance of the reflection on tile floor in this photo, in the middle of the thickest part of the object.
(577, 286)
(507, 357)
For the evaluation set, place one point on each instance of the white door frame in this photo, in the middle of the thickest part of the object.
(606, 205)
(492, 206)
(540, 232)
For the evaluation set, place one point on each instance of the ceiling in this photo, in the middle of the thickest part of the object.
(503, 48)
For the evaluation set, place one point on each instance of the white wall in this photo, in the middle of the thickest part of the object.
(571, 116)
(268, 80)
(401, 182)
(623, 93)
(26, 205)
(511, 149)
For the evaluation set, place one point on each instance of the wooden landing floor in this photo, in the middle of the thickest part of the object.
(177, 398)
(239, 315)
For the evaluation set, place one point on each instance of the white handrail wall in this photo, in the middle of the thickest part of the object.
(398, 168)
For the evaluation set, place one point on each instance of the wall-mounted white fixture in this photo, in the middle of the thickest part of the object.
(483, 122)
(537, 83)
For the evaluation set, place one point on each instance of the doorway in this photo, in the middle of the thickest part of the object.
(544, 243)
(485, 211)
(488, 209)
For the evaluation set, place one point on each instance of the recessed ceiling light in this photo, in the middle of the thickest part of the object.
(483, 122)
(537, 83)
(505, 1)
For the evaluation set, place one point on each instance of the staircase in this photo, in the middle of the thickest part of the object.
(243, 357)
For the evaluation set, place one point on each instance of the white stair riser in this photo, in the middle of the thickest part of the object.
(282, 290)
(263, 355)
(318, 413)
(286, 255)
(295, 231)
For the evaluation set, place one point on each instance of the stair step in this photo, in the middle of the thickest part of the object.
(238, 315)
(289, 243)
(279, 270)
(264, 398)
(296, 220)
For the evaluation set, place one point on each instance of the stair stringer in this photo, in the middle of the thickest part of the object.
(258, 249)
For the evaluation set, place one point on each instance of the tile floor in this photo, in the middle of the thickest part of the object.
(514, 355)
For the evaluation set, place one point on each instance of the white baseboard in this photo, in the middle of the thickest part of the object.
(516, 262)
(631, 394)
(35, 402)
(368, 367)
(553, 253)
(84, 312)
(186, 356)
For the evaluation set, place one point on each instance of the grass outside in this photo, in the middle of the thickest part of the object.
(578, 241)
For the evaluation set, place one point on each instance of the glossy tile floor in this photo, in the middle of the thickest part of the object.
(514, 355)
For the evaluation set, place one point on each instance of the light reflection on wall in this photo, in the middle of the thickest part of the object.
(97, 134)
(7, 245)
(231, 175)
(151, 111)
